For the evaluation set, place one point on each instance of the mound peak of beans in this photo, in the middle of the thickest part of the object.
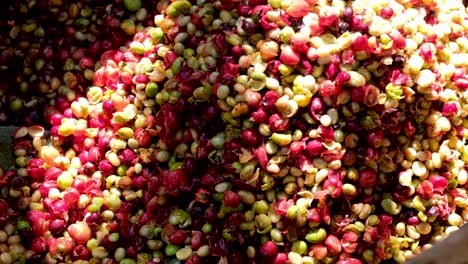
(257, 132)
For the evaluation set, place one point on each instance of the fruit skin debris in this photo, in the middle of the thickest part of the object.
(226, 131)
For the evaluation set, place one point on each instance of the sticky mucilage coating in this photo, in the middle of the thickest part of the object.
(303, 131)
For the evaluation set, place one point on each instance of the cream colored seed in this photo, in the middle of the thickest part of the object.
(3, 236)
(117, 144)
(303, 202)
(6, 258)
(334, 165)
(333, 114)
(15, 193)
(203, 251)
(222, 187)
(54, 194)
(132, 143)
(99, 252)
(309, 83)
(313, 133)
(75, 163)
(416, 144)
(272, 83)
(138, 168)
(113, 159)
(271, 147)
(462, 177)
(321, 176)
(163, 156)
(406, 164)
(419, 169)
(400, 229)
(107, 215)
(23, 172)
(125, 132)
(83, 201)
(451, 229)
(62, 162)
(281, 139)
(119, 253)
(247, 197)
(308, 260)
(183, 253)
(302, 100)
(222, 92)
(425, 78)
(129, 195)
(295, 258)
(429, 164)
(444, 124)
(250, 252)
(319, 163)
(325, 120)
(410, 153)
(412, 233)
(455, 219)
(424, 228)
(421, 155)
(264, 129)
(436, 159)
(3, 248)
(36, 206)
(349, 189)
(9, 229)
(17, 248)
(415, 63)
(295, 171)
(357, 80)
